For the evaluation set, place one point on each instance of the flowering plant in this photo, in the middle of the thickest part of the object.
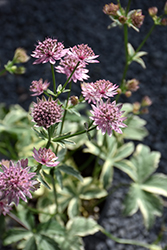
(42, 187)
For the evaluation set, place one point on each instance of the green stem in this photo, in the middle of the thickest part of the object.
(125, 241)
(128, 7)
(54, 79)
(49, 139)
(2, 72)
(69, 77)
(72, 135)
(11, 215)
(145, 39)
(54, 189)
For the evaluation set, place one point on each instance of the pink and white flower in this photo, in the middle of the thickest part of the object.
(83, 53)
(16, 181)
(45, 157)
(50, 50)
(46, 112)
(93, 92)
(108, 116)
(68, 64)
(38, 87)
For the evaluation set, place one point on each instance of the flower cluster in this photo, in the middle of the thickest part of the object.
(46, 112)
(50, 50)
(45, 157)
(16, 181)
(76, 59)
(38, 87)
(93, 92)
(107, 117)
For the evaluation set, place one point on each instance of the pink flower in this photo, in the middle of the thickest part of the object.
(46, 113)
(4, 207)
(84, 53)
(50, 50)
(107, 117)
(38, 87)
(16, 182)
(45, 157)
(93, 92)
(68, 64)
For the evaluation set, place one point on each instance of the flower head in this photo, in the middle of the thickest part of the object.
(38, 87)
(111, 9)
(107, 117)
(93, 92)
(137, 18)
(68, 64)
(16, 182)
(4, 207)
(46, 112)
(20, 56)
(45, 157)
(83, 53)
(50, 50)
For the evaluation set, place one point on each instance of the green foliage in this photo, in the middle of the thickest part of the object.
(146, 186)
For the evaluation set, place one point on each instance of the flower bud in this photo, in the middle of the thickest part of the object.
(128, 93)
(122, 19)
(119, 91)
(146, 101)
(111, 9)
(137, 18)
(165, 8)
(74, 100)
(19, 70)
(164, 22)
(136, 107)
(144, 111)
(20, 56)
(132, 84)
(152, 11)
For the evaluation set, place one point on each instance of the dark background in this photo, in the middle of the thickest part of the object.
(24, 22)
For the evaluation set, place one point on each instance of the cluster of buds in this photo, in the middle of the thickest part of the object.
(142, 108)
(20, 56)
(158, 20)
(118, 15)
(131, 86)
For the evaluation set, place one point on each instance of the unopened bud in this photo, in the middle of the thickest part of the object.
(119, 91)
(144, 111)
(122, 19)
(132, 84)
(136, 107)
(128, 93)
(19, 70)
(152, 11)
(146, 101)
(164, 21)
(20, 56)
(111, 9)
(165, 8)
(137, 18)
(74, 100)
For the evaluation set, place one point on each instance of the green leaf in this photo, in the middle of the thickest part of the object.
(127, 167)
(31, 244)
(145, 162)
(106, 175)
(16, 234)
(71, 171)
(42, 180)
(149, 204)
(73, 207)
(124, 151)
(81, 226)
(156, 184)
(51, 227)
(135, 129)
(59, 178)
(48, 243)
